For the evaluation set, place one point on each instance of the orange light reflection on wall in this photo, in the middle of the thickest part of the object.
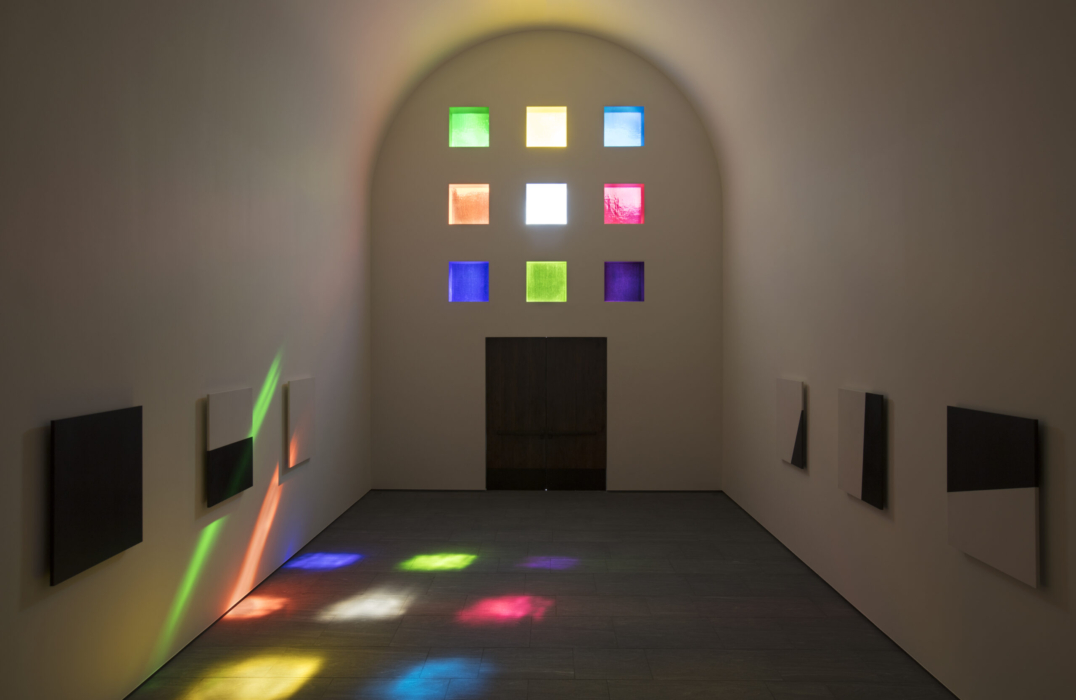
(257, 606)
(257, 540)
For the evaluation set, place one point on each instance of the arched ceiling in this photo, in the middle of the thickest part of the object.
(720, 51)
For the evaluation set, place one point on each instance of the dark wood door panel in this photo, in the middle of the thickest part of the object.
(575, 385)
(575, 451)
(545, 413)
(515, 451)
(515, 386)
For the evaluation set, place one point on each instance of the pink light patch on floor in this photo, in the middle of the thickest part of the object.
(510, 608)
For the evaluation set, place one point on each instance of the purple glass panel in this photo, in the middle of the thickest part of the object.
(624, 281)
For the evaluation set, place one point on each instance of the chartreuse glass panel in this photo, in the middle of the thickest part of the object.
(468, 281)
(547, 204)
(547, 281)
(468, 204)
(547, 127)
(624, 204)
(624, 126)
(468, 127)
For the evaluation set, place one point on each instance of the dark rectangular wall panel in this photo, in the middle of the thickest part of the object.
(861, 445)
(874, 451)
(791, 423)
(96, 489)
(991, 451)
(229, 470)
(993, 484)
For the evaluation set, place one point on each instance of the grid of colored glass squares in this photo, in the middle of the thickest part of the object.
(546, 203)
(547, 281)
(468, 127)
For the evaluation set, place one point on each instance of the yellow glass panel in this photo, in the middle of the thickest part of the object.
(547, 127)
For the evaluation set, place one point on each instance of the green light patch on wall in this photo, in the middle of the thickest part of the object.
(468, 127)
(547, 281)
(438, 562)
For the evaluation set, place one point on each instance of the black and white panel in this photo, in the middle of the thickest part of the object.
(791, 423)
(993, 485)
(229, 463)
(861, 445)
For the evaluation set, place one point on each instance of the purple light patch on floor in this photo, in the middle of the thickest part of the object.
(624, 281)
(558, 563)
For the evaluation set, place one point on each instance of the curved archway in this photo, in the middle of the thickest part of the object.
(428, 353)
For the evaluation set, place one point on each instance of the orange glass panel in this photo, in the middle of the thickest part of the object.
(468, 204)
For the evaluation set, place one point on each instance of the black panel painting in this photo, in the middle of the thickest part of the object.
(96, 489)
(874, 448)
(799, 450)
(229, 470)
(991, 451)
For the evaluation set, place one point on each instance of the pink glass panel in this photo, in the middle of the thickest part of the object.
(624, 204)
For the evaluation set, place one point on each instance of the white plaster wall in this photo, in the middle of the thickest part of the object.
(429, 417)
(900, 219)
(177, 204)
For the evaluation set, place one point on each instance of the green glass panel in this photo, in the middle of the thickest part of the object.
(547, 281)
(468, 127)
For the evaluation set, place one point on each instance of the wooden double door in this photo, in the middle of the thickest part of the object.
(545, 413)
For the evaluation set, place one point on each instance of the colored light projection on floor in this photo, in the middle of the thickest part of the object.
(512, 608)
(624, 127)
(624, 204)
(624, 281)
(265, 396)
(322, 561)
(547, 204)
(258, 538)
(371, 605)
(206, 540)
(555, 563)
(468, 204)
(255, 606)
(468, 281)
(547, 127)
(468, 127)
(268, 677)
(424, 681)
(438, 562)
(547, 281)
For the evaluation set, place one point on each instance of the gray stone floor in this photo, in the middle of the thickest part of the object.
(580, 595)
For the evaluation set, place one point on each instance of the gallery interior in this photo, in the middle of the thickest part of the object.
(538, 349)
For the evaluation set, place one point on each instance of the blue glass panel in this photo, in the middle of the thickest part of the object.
(468, 281)
(624, 126)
